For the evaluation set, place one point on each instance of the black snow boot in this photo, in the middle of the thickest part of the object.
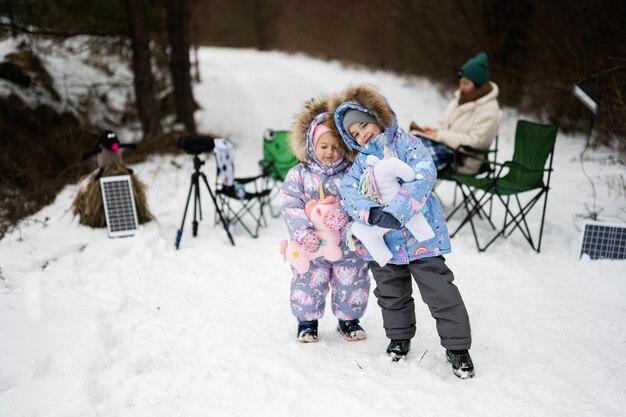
(398, 349)
(461, 361)
(351, 330)
(307, 331)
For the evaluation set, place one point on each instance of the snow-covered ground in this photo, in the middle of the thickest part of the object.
(92, 326)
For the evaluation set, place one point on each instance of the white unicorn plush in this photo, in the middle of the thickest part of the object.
(386, 173)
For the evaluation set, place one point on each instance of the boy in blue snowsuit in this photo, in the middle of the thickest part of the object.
(323, 163)
(366, 122)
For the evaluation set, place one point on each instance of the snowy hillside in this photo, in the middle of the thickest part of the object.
(85, 78)
(93, 326)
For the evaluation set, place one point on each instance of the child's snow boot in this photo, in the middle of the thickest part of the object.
(307, 331)
(398, 349)
(351, 330)
(461, 361)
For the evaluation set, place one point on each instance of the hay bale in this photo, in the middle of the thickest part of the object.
(88, 201)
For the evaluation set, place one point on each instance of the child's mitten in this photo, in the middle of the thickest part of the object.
(381, 218)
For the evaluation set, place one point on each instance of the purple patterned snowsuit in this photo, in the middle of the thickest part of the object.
(348, 277)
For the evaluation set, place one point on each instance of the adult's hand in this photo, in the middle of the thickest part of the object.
(431, 133)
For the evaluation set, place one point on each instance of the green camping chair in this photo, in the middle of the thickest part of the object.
(525, 173)
(277, 161)
(486, 170)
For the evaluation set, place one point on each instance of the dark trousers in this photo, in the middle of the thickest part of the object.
(434, 280)
(442, 154)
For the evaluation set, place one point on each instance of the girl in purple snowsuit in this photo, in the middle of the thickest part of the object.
(323, 163)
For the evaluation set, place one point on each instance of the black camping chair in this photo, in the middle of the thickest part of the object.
(241, 200)
(277, 161)
(525, 174)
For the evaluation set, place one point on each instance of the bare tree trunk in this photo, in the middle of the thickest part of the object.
(179, 32)
(12, 18)
(195, 75)
(257, 21)
(196, 63)
(147, 107)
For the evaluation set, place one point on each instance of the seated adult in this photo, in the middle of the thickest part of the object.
(472, 118)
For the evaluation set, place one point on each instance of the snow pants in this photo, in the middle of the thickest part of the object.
(347, 278)
(434, 280)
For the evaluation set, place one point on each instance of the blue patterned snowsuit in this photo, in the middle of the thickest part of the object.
(348, 277)
(415, 196)
(420, 260)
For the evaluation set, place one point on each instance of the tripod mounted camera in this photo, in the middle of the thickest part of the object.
(195, 145)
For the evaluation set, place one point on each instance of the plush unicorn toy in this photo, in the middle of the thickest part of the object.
(385, 187)
(327, 221)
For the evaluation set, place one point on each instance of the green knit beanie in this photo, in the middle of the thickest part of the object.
(476, 69)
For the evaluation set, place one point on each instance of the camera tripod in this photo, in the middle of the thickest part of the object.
(197, 205)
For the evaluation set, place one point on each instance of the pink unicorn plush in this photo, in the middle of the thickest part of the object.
(327, 221)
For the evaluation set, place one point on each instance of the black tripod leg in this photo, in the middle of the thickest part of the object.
(217, 209)
(179, 232)
(197, 207)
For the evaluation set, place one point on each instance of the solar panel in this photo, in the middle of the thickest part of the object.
(119, 205)
(604, 240)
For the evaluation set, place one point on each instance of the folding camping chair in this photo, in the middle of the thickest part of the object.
(241, 200)
(277, 161)
(526, 172)
(486, 170)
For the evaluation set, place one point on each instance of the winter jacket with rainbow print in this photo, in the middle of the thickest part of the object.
(414, 196)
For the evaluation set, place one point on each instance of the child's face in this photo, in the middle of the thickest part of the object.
(327, 148)
(363, 133)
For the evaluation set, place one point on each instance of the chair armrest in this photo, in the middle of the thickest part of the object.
(513, 164)
(247, 180)
(469, 152)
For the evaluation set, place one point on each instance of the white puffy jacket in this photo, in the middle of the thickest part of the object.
(475, 123)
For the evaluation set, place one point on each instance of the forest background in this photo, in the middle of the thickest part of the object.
(537, 50)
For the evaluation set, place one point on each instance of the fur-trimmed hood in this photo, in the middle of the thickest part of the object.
(316, 111)
(366, 98)
(302, 127)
